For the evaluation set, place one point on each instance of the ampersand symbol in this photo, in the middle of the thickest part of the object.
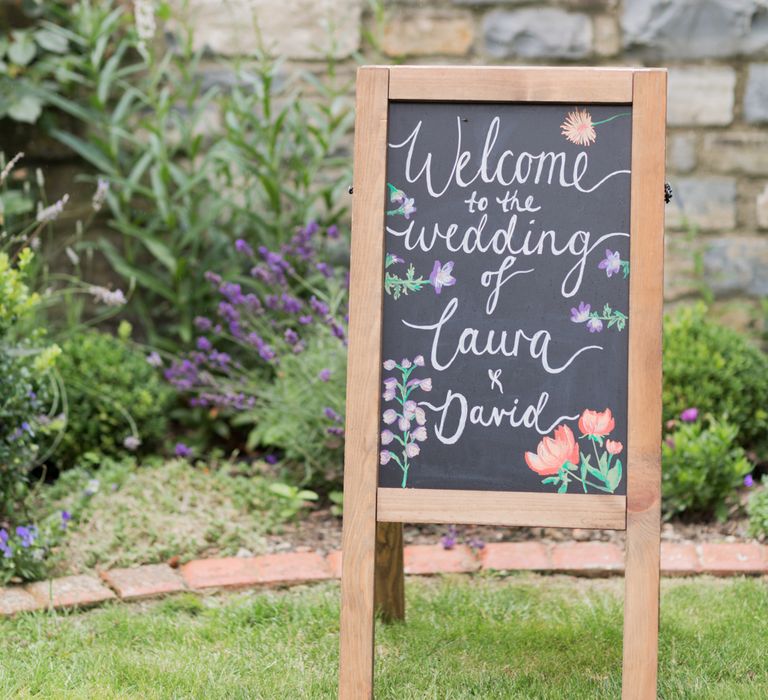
(493, 375)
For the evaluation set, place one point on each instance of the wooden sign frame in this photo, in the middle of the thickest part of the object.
(366, 506)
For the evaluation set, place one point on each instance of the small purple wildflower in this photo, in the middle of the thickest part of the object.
(305, 320)
(611, 263)
(324, 269)
(181, 450)
(689, 415)
(271, 458)
(330, 414)
(242, 246)
(449, 541)
(580, 314)
(594, 325)
(749, 482)
(204, 344)
(154, 359)
(324, 375)
(202, 323)
(291, 336)
(66, 516)
(27, 535)
(332, 232)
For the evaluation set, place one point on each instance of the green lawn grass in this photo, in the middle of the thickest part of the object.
(481, 637)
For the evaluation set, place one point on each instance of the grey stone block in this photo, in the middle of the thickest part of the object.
(537, 33)
(737, 266)
(708, 203)
(701, 96)
(695, 28)
(756, 93)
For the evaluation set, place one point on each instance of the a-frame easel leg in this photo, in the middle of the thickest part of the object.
(641, 606)
(390, 579)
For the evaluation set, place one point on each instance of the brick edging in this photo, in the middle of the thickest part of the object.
(290, 568)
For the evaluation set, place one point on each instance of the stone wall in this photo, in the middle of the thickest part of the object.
(716, 52)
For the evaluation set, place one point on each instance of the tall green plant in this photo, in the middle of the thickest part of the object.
(181, 192)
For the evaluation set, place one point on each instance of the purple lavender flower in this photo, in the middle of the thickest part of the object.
(291, 304)
(242, 246)
(580, 314)
(319, 307)
(204, 344)
(330, 414)
(689, 415)
(213, 278)
(266, 353)
(324, 375)
(337, 330)
(476, 543)
(611, 263)
(181, 450)
(332, 232)
(305, 320)
(291, 336)
(335, 430)
(202, 323)
(271, 458)
(324, 269)
(749, 482)
(594, 325)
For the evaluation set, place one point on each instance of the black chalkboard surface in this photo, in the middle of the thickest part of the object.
(504, 336)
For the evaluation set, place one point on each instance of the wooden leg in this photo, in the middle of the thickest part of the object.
(641, 606)
(390, 582)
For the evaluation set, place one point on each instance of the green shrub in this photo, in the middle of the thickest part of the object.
(716, 370)
(757, 509)
(702, 466)
(113, 397)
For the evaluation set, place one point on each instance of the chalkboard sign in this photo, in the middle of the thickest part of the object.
(505, 325)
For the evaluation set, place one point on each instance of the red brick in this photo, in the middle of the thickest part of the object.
(434, 559)
(292, 567)
(15, 599)
(679, 559)
(227, 572)
(588, 558)
(734, 558)
(70, 591)
(334, 563)
(240, 572)
(144, 581)
(513, 556)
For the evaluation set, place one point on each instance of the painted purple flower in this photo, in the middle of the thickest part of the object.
(387, 436)
(390, 383)
(389, 365)
(441, 276)
(324, 375)
(404, 424)
(408, 208)
(426, 384)
(389, 416)
(749, 482)
(242, 246)
(395, 195)
(389, 394)
(419, 434)
(580, 314)
(594, 325)
(418, 360)
(689, 415)
(181, 450)
(412, 449)
(384, 457)
(611, 263)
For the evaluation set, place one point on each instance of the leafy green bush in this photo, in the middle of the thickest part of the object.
(116, 401)
(702, 466)
(716, 370)
(757, 509)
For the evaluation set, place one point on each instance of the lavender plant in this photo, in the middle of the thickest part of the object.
(271, 358)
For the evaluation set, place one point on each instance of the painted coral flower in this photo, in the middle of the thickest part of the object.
(689, 415)
(614, 447)
(611, 263)
(389, 416)
(596, 423)
(386, 437)
(580, 314)
(578, 128)
(441, 276)
(553, 452)
(594, 325)
(384, 457)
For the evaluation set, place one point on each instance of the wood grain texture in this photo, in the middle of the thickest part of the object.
(510, 84)
(641, 601)
(501, 508)
(389, 599)
(363, 377)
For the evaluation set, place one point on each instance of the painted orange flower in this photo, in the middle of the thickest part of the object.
(614, 447)
(553, 453)
(578, 128)
(595, 423)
